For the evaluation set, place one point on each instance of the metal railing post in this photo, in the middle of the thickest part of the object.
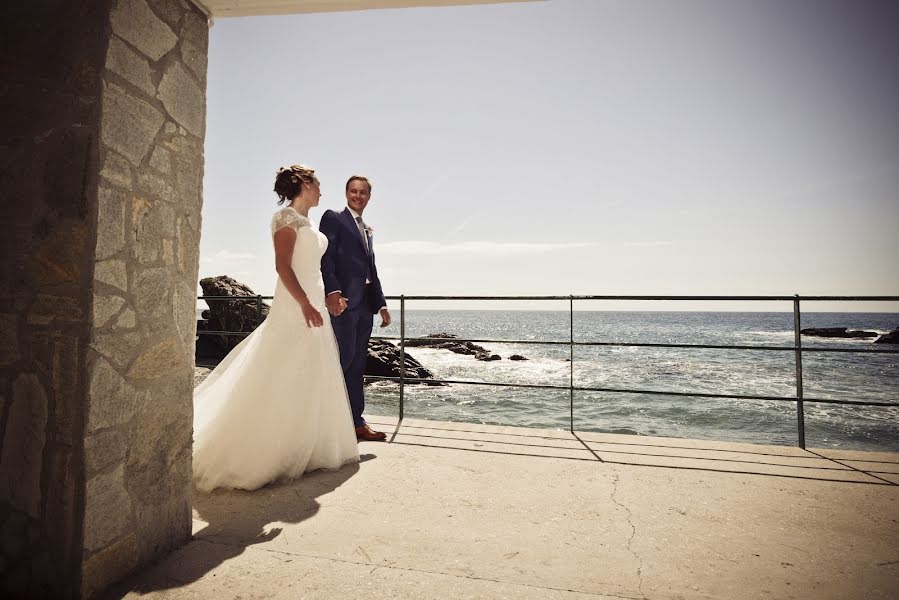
(571, 363)
(258, 310)
(402, 351)
(800, 409)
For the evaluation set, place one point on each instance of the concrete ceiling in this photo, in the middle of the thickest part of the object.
(248, 8)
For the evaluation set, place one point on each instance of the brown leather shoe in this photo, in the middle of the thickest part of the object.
(367, 434)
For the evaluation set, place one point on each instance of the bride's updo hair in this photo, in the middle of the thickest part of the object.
(289, 181)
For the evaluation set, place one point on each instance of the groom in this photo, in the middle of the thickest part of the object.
(353, 292)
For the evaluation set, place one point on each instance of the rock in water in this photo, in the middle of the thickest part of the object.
(837, 332)
(384, 360)
(889, 338)
(227, 315)
(467, 348)
(450, 343)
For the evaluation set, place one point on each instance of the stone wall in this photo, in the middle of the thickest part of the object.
(51, 65)
(140, 358)
(101, 152)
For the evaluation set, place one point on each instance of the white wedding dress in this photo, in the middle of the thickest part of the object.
(277, 406)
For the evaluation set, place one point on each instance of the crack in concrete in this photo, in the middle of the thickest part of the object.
(633, 534)
(393, 567)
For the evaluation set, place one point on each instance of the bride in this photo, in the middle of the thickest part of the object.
(277, 406)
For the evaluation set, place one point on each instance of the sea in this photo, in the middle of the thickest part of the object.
(858, 376)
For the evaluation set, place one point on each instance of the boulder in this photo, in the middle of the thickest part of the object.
(517, 357)
(467, 348)
(239, 315)
(889, 338)
(384, 360)
(447, 341)
(837, 332)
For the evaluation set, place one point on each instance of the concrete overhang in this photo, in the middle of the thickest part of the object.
(249, 8)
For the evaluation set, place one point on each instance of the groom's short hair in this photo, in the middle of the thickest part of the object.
(358, 178)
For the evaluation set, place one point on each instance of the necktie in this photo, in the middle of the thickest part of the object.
(361, 226)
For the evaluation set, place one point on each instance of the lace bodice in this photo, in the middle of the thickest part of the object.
(288, 217)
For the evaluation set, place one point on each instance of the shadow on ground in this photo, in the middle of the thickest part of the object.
(235, 520)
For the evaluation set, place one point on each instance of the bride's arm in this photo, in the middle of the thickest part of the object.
(285, 238)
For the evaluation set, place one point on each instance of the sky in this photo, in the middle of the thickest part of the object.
(672, 147)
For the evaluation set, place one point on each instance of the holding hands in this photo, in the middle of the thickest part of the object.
(336, 303)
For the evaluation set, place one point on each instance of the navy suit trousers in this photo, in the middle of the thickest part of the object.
(353, 330)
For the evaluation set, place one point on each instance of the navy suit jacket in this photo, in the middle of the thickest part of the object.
(346, 264)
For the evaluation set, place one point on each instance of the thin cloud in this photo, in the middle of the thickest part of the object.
(458, 228)
(478, 248)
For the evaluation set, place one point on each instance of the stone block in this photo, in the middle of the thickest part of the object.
(164, 358)
(195, 59)
(109, 565)
(117, 346)
(188, 169)
(113, 401)
(187, 247)
(184, 312)
(145, 245)
(111, 222)
(45, 309)
(156, 187)
(183, 99)
(126, 320)
(169, 11)
(150, 292)
(9, 339)
(112, 272)
(162, 527)
(58, 258)
(68, 408)
(168, 252)
(123, 61)
(129, 124)
(105, 307)
(104, 449)
(161, 160)
(117, 170)
(107, 510)
(195, 29)
(23, 446)
(136, 23)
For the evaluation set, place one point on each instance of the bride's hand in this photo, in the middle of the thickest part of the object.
(312, 316)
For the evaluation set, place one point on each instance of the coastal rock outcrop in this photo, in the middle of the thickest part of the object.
(837, 332)
(240, 315)
(467, 348)
(448, 341)
(889, 338)
(384, 361)
(227, 315)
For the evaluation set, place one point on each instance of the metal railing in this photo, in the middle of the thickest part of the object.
(797, 348)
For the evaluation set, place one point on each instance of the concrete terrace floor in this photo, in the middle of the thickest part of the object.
(456, 510)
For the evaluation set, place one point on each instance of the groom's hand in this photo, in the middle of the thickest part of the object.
(385, 317)
(333, 302)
